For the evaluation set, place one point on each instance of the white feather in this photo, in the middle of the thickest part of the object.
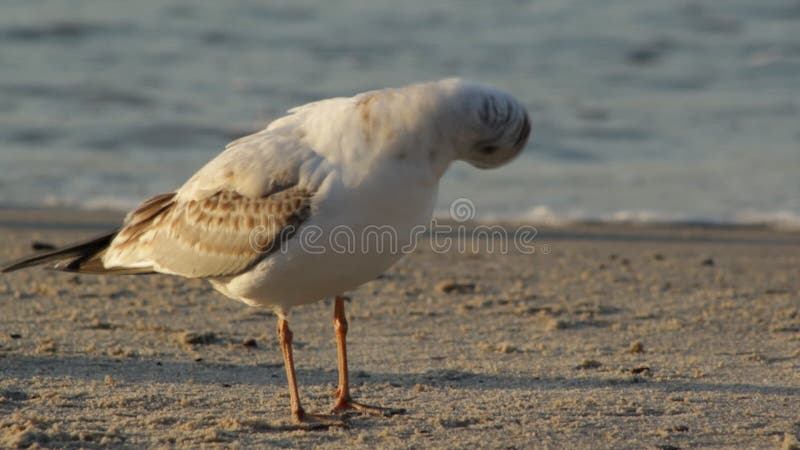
(374, 159)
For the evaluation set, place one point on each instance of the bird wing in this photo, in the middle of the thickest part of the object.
(233, 212)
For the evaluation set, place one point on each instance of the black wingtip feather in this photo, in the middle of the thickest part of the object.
(81, 251)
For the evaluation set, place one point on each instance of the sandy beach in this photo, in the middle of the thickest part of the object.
(605, 337)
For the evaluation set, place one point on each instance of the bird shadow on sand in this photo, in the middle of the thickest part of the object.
(92, 368)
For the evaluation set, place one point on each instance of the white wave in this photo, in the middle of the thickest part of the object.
(95, 203)
(538, 214)
(546, 215)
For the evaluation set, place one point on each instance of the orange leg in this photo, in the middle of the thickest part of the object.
(343, 400)
(298, 414)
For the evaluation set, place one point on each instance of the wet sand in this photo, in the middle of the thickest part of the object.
(605, 337)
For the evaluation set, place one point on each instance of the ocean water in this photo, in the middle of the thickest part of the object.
(643, 110)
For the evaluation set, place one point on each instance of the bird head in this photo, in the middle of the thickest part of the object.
(493, 126)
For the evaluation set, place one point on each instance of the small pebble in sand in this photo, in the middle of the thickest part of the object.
(119, 351)
(45, 346)
(454, 287)
(40, 245)
(556, 324)
(198, 338)
(668, 447)
(790, 442)
(506, 347)
(636, 347)
(98, 325)
(772, 291)
(589, 364)
(502, 347)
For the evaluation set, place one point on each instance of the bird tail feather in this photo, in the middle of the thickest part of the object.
(80, 257)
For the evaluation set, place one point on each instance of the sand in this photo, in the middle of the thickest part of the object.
(605, 337)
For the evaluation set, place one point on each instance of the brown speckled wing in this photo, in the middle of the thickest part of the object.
(220, 235)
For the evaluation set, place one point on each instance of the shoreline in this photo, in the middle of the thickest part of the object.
(46, 217)
(38, 216)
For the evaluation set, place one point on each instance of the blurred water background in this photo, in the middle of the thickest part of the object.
(643, 110)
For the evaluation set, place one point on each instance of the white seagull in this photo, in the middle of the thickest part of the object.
(374, 159)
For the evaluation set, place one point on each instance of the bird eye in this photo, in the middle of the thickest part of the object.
(488, 149)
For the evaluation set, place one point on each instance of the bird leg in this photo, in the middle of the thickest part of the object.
(298, 413)
(343, 400)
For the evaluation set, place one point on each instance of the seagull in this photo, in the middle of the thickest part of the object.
(260, 220)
